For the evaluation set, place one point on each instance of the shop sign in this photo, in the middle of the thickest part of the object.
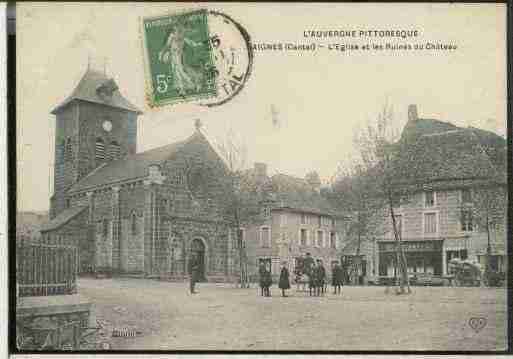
(422, 246)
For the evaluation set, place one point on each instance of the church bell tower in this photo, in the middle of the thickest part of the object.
(94, 126)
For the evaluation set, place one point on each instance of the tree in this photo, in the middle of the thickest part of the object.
(355, 193)
(484, 208)
(385, 161)
(243, 195)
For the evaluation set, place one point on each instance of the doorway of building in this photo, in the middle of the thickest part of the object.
(198, 249)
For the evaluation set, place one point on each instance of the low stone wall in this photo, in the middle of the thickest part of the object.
(39, 317)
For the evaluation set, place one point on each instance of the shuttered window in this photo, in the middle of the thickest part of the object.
(99, 149)
(467, 224)
(430, 199)
(430, 223)
(466, 196)
(265, 238)
(333, 240)
(320, 239)
(303, 239)
(114, 150)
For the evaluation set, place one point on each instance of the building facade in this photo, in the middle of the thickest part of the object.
(443, 215)
(297, 220)
(128, 211)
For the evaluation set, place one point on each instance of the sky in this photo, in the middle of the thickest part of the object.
(320, 97)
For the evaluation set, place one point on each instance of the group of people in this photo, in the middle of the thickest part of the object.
(313, 269)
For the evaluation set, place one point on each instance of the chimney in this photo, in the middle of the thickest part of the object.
(260, 170)
(313, 179)
(412, 113)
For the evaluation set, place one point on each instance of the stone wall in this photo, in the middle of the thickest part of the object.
(131, 243)
(177, 234)
(73, 233)
(65, 166)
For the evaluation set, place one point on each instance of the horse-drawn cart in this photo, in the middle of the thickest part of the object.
(466, 273)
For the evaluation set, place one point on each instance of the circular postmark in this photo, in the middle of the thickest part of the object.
(199, 56)
(232, 55)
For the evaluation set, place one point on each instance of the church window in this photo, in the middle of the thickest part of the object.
(114, 151)
(133, 223)
(99, 150)
(69, 150)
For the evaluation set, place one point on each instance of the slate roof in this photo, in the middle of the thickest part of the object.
(435, 151)
(86, 90)
(62, 218)
(128, 168)
(424, 126)
(295, 193)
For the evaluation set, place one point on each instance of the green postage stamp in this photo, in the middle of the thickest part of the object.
(178, 58)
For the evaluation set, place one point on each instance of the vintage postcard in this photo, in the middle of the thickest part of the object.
(260, 177)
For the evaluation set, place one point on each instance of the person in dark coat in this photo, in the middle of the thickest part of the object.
(262, 277)
(312, 279)
(284, 283)
(268, 280)
(337, 278)
(194, 272)
(321, 277)
(308, 264)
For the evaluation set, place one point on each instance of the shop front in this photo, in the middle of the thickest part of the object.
(422, 257)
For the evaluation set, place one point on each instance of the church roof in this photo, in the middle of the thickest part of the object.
(128, 168)
(91, 88)
(62, 218)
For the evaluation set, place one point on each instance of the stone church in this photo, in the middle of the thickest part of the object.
(129, 211)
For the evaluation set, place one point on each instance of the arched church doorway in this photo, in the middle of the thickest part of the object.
(198, 249)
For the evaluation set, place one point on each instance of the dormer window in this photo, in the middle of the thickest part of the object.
(106, 89)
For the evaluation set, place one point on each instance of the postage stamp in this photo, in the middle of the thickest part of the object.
(195, 55)
(179, 58)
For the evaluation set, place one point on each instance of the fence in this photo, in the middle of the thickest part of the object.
(44, 269)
